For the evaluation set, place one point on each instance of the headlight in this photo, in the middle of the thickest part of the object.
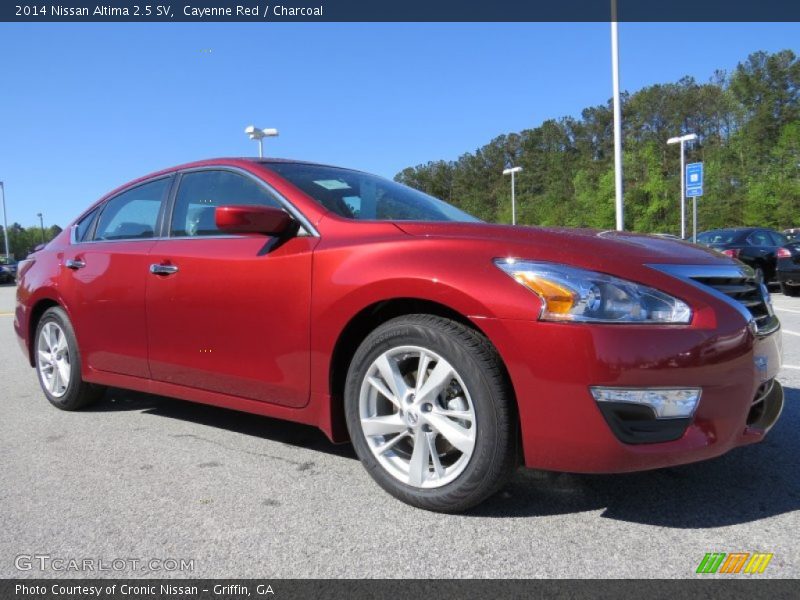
(572, 294)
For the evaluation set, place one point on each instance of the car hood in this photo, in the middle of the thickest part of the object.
(571, 244)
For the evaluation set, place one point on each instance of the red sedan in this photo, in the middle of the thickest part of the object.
(445, 349)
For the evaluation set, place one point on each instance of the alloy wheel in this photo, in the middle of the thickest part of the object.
(53, 359)
(417, 416)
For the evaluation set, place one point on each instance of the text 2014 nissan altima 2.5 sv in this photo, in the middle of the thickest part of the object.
(445, 349)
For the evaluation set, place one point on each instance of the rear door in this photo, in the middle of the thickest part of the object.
(105, 271)
(229, 313)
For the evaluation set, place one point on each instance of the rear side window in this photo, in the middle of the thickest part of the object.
(720, 236)
(778, 238)
(760, 238)
(201, 192)
(84, 226)
(133, 214)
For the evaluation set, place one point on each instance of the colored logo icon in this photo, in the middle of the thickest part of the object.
(734, 562)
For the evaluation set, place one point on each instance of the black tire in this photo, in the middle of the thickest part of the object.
(78, 393)
(789, 290)
(494, 456)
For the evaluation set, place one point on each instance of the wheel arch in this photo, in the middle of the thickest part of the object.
(364, 322)
(37, 310)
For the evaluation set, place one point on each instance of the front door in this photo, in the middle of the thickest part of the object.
(228, 313)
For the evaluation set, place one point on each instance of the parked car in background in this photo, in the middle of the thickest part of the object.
(756, 247)
(445, 349)
(788, 271)
(792, 234)
(8, 270)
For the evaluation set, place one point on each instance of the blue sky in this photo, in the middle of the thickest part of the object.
(84, 108)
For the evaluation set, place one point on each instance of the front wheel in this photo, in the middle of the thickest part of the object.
(58, 363)
(430, 413)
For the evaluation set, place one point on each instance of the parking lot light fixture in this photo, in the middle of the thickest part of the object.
(682, 139)
(41, 224)
(254, 133)
(512, 171)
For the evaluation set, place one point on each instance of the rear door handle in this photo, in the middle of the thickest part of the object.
(163, 269)
(74, 263)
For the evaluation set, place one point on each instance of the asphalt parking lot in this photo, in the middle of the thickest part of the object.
(143, 477)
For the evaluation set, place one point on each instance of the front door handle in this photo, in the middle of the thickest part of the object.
(163, 269)
(74, 263)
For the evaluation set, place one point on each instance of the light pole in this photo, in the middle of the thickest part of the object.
(512, 171)
(617, 119)
(41, 224)
(5, 221)
(682, 141)
(255, 133)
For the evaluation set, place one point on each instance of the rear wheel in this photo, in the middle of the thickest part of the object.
(430, 413)
(58, 363)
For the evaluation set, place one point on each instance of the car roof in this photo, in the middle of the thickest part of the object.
(207, 162)
(735, 229)
(251, 159)
(739, 230)
(226, 161)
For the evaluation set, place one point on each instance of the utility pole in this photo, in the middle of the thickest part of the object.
(682, 141)
(513, 171)
(5, 221)
(41, 224)
(620, 210)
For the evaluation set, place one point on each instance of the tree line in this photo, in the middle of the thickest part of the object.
(23, 240)
(748, 128)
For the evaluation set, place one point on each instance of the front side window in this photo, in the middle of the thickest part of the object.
(133, 214)
(356, 195)
(200, 193)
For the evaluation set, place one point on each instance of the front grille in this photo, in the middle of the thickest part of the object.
(748, 292)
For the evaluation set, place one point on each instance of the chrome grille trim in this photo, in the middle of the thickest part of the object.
(735, 285)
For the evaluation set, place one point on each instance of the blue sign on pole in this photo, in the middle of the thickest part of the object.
(694, 179)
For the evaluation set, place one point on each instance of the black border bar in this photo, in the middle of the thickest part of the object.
(265, 11)
(733, 588)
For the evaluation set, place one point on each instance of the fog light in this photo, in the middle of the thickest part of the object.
(666, 403)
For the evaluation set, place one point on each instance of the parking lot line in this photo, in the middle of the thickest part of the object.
(790, 332)
(6, 314)
(789, 310)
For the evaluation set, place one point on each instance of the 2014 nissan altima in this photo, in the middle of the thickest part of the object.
(445, 349)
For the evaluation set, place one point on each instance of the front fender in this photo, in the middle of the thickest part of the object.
(348, 278)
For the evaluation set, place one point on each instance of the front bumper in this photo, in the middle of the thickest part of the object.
(553, 366)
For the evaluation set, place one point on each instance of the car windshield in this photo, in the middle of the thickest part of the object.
(6, 260)
(719, 237)
(356, 195)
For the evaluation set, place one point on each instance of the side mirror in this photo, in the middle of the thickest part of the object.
(252, 219)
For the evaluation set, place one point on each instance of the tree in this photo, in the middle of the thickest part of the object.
(748, 127)
(22, 241)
